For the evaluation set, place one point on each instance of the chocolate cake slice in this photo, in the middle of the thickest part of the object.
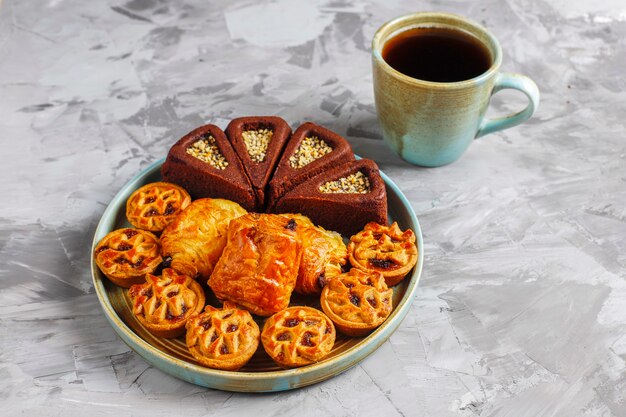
(311, 150)
(204, 163)
(259, 142)
(344, 198)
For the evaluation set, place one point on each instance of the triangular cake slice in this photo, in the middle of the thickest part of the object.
(344, 198)
(311, 150)
(204, 163)
(259, 142)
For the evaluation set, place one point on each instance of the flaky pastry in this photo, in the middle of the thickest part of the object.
(194, 241)
(259, 265)
(155, 205)
(385, 249)
(223, 338)
(298, 336)
(323, 256)
(163, 304)
(357, 301)
(125, 256)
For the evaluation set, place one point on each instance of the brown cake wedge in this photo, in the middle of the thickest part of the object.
(343, 199)
(259, 142)
(204, 163)
(312, 149)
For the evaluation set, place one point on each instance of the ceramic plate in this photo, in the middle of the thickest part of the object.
(260, 374)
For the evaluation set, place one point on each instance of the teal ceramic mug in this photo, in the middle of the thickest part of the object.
(432, 123)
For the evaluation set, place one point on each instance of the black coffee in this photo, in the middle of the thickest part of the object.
(437, 54)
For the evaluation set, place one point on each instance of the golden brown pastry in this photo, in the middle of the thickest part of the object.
(125, 256)
(194, 241)
(163, 304)
(223, 338)
(357, 301)
(385, 249)
(298, 336)
(259, 265)
(323, 256)
(155, 205)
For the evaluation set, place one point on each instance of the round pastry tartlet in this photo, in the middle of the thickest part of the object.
(298, 336)
(357, 301)
(125, 256)
(154, 206)
(223, 338)
(163, 304)
(384, 249)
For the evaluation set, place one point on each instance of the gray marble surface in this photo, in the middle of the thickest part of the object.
(521, 310)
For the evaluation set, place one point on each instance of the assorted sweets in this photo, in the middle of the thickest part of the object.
(258, 214)
(264, 168)
(164, 303)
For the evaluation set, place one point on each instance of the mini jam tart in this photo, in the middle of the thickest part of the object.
(357, 301)
(384, 249)
(163, 304)
(154, 206)
(298, 336)
(223, 338)
(125, 256)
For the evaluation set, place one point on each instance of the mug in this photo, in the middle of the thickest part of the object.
(431, 123)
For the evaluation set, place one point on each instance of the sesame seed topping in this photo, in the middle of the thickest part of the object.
(356, 183)
(257, 142)
(207, 151)
(310, 149)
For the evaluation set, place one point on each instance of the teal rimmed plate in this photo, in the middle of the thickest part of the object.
(260, 374)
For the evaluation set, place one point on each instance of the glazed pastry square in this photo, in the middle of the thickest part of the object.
(357, 301)
(384, 249)
(163, 304)
(155, 205)
(259, 265)
(194, 241)
(125, 256)
(298, 336)
(223, 338)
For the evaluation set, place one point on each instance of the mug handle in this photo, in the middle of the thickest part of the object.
(516, 82)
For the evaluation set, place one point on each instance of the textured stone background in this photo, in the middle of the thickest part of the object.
(521, 310)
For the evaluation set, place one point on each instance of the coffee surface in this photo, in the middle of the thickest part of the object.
(437, 54)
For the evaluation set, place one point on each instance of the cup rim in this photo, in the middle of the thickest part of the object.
(378, 43)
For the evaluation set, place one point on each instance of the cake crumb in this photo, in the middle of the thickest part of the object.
(356, 183)
(207, 151)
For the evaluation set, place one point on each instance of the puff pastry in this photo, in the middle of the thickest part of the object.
(194, 241)
(223, 338)
(259, 265)
(323, 256)
(125, 256)
(298, 336)
(357, 301)
(163, 304)
(384, 249)
(155, 205)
